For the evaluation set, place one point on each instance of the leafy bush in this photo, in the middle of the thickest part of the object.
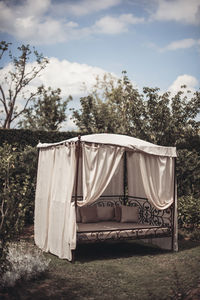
(188, 172)
(24, 137)
(188, 212)
(29, 168)
(189, 234)
(17, 184)
(25, 261)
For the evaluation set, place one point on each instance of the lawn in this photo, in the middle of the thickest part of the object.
(127, 270)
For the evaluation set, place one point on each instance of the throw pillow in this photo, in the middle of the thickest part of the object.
(105, 213)
(130, 214)
(89, 214)
(118, 213)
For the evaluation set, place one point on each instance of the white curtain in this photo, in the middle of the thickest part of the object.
(151, 177)
(116, 185)
(99, 164)
(43, 193)
(60, 238)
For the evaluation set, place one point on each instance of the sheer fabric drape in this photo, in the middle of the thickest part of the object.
(151, 177)
(99, 164)
(54, 201)
(42, 197)
(116, 184)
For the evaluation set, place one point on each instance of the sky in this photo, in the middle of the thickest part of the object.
(156, 41)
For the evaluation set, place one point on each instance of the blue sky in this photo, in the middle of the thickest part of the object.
(156, 41)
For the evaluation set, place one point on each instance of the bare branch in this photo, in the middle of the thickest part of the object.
(3, 100)
(18, 80)
(25, 106)
(3, 47)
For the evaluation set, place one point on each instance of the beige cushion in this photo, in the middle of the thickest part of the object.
(129, 214)
(105, 213)
(89, 214)
(118, 213)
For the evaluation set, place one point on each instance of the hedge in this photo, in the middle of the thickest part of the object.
(24, 137)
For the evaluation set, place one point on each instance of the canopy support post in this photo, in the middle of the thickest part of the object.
(78, 148)
(174, 205)
(125, 177)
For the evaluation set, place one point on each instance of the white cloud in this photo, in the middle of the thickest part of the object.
(109, 25)
(113, 25)
(37, 22)
(69, 124)
(181, 44)
(69, 76)
(185, 11)
(190, 81)
(84, 7)
(33, 24)
(28, 22)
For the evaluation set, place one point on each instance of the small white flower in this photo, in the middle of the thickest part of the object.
(26, 261)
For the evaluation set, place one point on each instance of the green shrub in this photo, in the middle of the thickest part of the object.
(188, 172)
(28, 167)
(189, 212)
(17, 184)
(24, 262)
(24, 137)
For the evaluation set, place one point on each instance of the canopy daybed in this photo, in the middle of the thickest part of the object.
(104, 187)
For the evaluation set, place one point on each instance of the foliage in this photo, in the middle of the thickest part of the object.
(112, 107)
(17, 184)
(25, 262)
(188, 212)
(171, 120)
(47, 112)
(188, 173)
(3, 47)
(18, 177)
(24, 137)
(14, 84)
(117, 107)
(189, 233)
(28, 167)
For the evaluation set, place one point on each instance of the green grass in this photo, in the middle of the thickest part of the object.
(122, 271)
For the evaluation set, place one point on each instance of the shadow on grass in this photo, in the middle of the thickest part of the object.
(114, 250)
(188, 244)
(46, 287)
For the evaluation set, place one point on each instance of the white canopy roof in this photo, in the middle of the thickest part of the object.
(122, 141)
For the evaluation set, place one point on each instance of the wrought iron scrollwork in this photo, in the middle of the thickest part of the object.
(149, 214)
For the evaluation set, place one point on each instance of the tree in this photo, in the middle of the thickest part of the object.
(118, 107)
(12, 87)
(3, 47)
(112, 107)
(47, 112)
(171, 121)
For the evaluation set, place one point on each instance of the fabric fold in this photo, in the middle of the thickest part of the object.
(60, 232)
(99, 164)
